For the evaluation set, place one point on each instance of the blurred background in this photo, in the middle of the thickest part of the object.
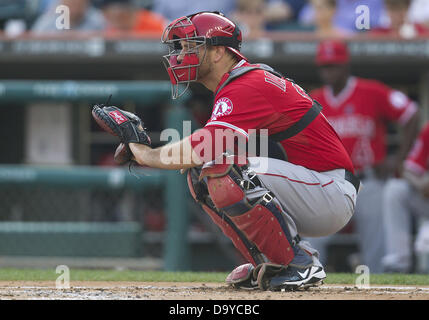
(62, 198)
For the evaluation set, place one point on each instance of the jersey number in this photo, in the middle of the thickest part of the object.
(274, 80)
(301, 91)
(281, 84)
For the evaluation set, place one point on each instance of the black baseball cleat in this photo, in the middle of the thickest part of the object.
(276, 277)
(303, 272)
(293, 278)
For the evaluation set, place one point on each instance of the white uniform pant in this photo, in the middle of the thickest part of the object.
(368, 219)
(400, 202)
(315, 203)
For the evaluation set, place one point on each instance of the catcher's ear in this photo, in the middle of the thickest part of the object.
(218, 53)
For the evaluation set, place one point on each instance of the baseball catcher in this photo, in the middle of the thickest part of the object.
(298, 182)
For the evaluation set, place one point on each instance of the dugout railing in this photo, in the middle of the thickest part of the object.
(67, 195)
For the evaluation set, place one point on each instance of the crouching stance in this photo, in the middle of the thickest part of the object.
(252, 217)
(302, 186)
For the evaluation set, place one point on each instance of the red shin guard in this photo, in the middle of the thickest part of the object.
(247, 249)
(261, 227)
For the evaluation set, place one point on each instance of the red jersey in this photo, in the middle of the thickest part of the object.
(359, 115)
(418, 158)
(260, 100)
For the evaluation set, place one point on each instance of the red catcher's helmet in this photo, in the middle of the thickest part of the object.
(198, 30)
(332, 52)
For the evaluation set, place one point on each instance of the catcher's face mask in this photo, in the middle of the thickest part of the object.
(187, 39)
(182, 60)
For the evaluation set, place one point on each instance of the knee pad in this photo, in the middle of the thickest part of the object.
(199, 192)
(261, 221)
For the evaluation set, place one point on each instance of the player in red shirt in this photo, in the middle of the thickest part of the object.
(298, 180)
(359, 110)
(404, 198)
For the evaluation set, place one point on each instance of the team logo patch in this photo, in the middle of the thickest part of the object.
(222, 107)
(118, 117)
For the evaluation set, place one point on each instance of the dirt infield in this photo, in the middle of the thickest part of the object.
(98, 290)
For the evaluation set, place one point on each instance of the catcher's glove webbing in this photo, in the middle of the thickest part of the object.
(126, 125)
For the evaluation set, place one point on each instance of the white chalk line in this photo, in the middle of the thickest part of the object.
(345, 288)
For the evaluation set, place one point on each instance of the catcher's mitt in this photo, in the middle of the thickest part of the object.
(126, 125)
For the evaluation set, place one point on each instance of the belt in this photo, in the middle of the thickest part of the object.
(350, 177)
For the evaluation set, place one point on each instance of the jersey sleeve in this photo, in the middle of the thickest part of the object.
(393, 104)
(239, 107)
(316, 94)
(236, 110)
(210, 142)
(418, 158)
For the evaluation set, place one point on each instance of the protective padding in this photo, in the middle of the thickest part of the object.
(262, 227)
(224, 191)
(215, 170)
(221, 166)
(184, 71)
(227, 227)
(191, 185)
(179, 28)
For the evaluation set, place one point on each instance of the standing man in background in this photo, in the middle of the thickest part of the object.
(404, 198)
(359, 110)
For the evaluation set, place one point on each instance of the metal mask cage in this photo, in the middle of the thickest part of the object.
(179, 32)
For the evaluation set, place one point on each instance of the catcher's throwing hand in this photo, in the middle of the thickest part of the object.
(126, 125)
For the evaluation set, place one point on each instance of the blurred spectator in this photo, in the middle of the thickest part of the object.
(325, 11)
(125, 16)
(281, 13)
(44, 5)
(346, 15)
(16, 15)
(171, 10)
(14, 27)
(419, 12)
(249, 19)
(403, 199)
(83, 17)
(397, 11)
(360, 111)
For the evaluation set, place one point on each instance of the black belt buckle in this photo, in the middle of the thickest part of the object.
(350, 177)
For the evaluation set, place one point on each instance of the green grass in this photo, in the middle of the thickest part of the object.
(158, 276)
(110, 275)
(380, 279)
